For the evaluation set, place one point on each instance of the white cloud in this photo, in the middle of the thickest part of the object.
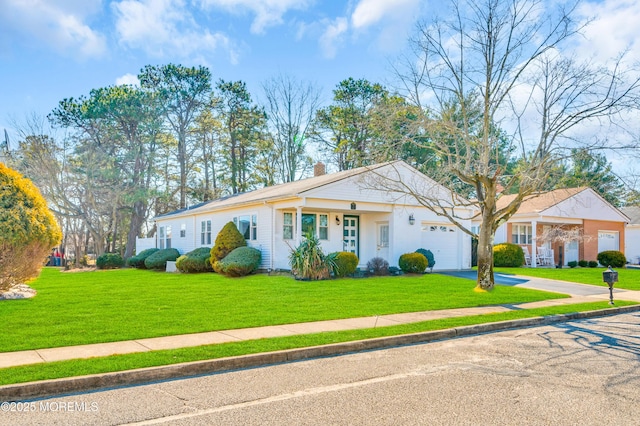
(130, 79)
(333, 35)
(392, 19)
(613, 30)
(268, 13)
(166, 27)
(60, 25)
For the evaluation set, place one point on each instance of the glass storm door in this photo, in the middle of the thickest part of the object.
(350, 234)
(382, 241)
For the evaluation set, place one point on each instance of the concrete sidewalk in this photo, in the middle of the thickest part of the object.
(579, 293)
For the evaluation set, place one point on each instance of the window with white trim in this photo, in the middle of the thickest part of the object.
(248, 226)
(287, 226)
(161, 238)
(168, 239)
(183, 230)
(315, 224)
(521, 234)
(205, 233)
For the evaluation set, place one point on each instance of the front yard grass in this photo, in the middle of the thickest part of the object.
(628, 279)
(55, 370)
(105, 306)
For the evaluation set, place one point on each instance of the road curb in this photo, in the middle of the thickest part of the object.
(94, 382)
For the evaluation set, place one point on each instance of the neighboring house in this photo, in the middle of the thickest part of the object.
(342, 209)
(547, 223)
(632, 234)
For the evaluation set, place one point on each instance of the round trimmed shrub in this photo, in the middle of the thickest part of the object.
(109, 261)
(346, 263)
(593, 264)
(227, 240)
(240, 262)
(28, 232)
(413, 263)
(137, 261)
(429, 256)
(583, 263)
(508, 255)
(572, 264)
(612, 258)
(378, 266)
(159, 259)
(195, 261)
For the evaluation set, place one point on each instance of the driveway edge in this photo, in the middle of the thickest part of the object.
(47, 388)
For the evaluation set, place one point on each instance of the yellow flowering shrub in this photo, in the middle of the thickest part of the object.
(28, 229)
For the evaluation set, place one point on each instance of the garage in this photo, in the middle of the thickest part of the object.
(608, 240)
(444, 242)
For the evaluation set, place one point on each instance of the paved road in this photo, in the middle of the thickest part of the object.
(584, 372)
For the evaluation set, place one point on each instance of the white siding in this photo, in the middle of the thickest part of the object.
(632, 243)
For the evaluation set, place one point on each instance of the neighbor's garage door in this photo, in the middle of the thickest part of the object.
(442, 240)
(608, 240)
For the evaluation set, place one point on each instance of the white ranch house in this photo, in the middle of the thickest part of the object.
(343, 209)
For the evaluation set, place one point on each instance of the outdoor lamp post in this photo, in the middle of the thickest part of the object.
(610, 276)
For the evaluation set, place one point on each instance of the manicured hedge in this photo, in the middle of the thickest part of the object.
(508, 255)
(612, 258)
(227, 240)
(137, 261)
(240, 262)
(413, 263)
(109, 261)
(159, 259)
(346, 263)
(195, 261)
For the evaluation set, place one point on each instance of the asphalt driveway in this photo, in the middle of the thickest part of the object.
(556, 286)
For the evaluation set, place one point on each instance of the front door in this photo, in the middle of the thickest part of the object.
(571, 251)
(350, 234)
(382, 241)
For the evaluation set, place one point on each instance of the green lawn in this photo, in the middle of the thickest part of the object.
(79, 367)
(105, 306)
(628, 279)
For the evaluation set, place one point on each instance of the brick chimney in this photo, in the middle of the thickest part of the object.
(319, 169)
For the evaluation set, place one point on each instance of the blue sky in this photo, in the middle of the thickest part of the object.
(54, 49)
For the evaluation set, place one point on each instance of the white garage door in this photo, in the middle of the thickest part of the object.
(608, 240)
(442, 240)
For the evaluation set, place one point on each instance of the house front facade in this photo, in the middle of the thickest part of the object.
(632, 234)
(341, 209)
(564, 225)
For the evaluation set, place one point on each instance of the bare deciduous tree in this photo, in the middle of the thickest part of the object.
(508, 58)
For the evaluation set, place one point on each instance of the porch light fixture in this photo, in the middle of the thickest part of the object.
(412, 219)
(337, 220)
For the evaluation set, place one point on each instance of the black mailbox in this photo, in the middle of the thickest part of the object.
(610, 276)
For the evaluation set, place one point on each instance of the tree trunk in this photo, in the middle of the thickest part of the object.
(137, 219)
(485, 253)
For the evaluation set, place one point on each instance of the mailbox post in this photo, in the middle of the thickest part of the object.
(610, 276)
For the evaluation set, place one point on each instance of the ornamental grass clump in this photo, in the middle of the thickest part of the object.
(195, 261)
(308, 261)
(28, 231)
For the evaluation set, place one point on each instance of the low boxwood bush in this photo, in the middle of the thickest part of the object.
(593, 264)
(378, 267)
(195, 261)
(413, 263)
(583, 263)
(345, 263)
(159, 259)
(572, 264)
(240, 262)
(508, 255)
(429, 256)
(109, 261)
(137, 261)
(612, 258)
